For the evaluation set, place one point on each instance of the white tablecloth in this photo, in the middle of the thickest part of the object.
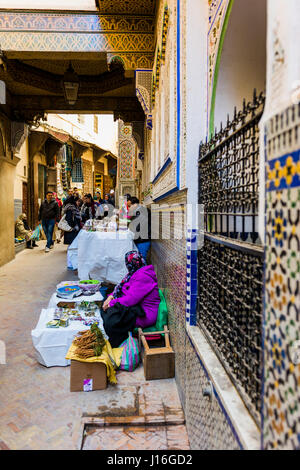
(101, 255)
(52, 344)
(88, 298)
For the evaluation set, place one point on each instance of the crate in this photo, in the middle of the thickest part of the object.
(158, 362)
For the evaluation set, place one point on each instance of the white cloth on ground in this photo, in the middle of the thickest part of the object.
(52, 344)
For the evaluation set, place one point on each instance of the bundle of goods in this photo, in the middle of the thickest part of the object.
(90, 286)
(90, 343)
(69, 291)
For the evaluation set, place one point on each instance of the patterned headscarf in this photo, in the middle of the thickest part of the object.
(133, 261)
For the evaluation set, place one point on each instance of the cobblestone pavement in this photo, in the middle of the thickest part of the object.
(37, 410)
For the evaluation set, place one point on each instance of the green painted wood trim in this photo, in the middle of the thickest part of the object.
(217, 69)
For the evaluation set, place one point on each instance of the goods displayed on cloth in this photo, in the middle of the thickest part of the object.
(89, 286)
(93, 225)
(111, 357)
(85, 311)
(101, 255)
(55, 300)
(131, 354)
(52, 343)
(68, 292)
(159, 362)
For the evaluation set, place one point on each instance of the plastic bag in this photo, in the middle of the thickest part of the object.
(131, 354)
(36, 234)
(63, 224)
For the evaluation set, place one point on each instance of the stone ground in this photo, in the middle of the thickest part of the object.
(37, 410)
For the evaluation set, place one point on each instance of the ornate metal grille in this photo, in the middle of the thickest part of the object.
(230, 264)
(228, 175)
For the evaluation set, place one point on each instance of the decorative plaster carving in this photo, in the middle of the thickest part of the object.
(143, 93)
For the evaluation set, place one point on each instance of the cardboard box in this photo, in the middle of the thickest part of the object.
(87, 376)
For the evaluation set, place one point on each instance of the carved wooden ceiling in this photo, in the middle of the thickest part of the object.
(39, 45)
(135, 7)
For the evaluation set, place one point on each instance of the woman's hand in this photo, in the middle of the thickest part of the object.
(107, 302)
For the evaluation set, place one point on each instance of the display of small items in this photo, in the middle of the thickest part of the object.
(87, 312)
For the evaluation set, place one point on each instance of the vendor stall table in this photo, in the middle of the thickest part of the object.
(101, 255)
(52, 344)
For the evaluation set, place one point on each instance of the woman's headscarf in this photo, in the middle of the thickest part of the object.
(70, 204)
(133, 261)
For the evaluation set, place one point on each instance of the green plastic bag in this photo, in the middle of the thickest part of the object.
(162, 316)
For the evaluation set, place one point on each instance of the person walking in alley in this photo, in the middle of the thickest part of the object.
(73, 218)
(48, 216)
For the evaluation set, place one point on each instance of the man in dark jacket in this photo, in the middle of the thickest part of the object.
(48, 215)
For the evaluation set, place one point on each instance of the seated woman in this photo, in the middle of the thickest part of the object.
(22, 229)
(138, 288)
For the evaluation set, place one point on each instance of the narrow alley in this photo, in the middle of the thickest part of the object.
(38, 411)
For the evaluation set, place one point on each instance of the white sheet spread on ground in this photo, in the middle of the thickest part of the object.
(52, 344)
(101, 255)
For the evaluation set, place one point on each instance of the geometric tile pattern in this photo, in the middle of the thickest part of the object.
(73, 22)
(170, 259)
(53, 32)
(207, 426)
(175, 263)
(126, 157)
(281, 413)
(126, 152)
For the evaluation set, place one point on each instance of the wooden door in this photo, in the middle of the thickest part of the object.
(25, 199)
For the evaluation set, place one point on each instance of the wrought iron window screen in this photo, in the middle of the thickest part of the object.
(230, 264)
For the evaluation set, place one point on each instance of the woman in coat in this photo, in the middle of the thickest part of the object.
(138, 288)
(73, 219)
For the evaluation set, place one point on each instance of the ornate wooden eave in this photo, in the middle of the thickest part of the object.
(17, 72)
(123, 7)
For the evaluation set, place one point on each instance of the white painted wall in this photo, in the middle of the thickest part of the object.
(21, 176)
(50, 4)
(106, 137)
(243, 60)
(283, 78)
(194, 77)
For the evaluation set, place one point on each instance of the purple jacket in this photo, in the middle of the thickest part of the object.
(142, 289)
